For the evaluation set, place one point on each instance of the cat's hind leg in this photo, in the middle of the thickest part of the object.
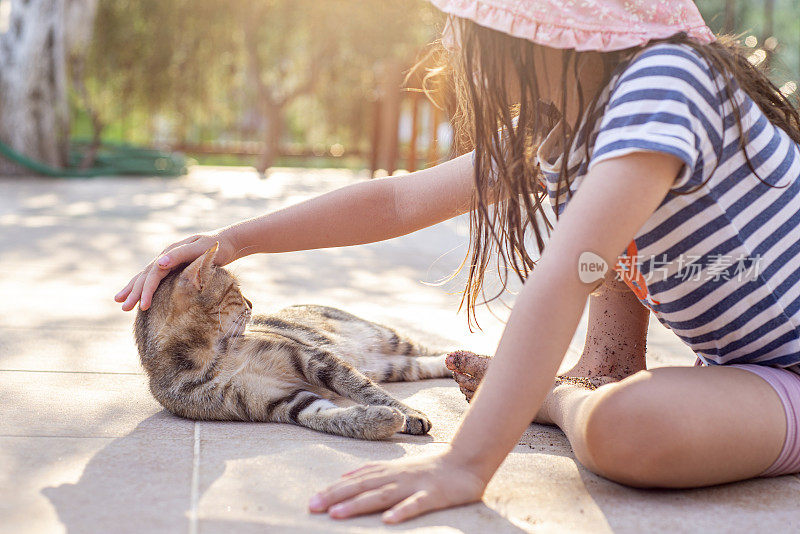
(402, 359)
(392, 368)
(398, 344)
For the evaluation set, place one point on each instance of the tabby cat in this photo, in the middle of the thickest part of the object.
(209, 358)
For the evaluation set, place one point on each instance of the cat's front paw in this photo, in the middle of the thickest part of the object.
(417, 423)
(379, 422)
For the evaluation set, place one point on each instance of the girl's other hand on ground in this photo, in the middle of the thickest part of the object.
(405, 488)
(143, 285)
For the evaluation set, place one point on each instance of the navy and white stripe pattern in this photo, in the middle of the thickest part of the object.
(667, 99)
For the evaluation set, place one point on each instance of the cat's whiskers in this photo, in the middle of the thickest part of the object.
(231, 328)
(237, 326)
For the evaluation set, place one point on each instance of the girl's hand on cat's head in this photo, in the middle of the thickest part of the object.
(144, 284)
(405, 488)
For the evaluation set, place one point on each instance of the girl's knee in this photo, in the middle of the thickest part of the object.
(628, 435)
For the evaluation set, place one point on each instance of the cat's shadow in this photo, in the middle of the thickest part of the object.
(142, 482)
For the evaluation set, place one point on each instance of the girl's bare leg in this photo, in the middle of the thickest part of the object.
(676, 427)
(668, 427)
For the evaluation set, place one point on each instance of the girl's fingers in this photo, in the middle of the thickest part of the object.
(468, 394)
(177, 244)
(465, 381)
(143, 285)
(368, 502)
(181, 254)
(345, 489)
(190, 239)
(136, 292)
(150, 285)
(125, 291)
(417, 504)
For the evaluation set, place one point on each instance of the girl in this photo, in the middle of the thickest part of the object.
(669, 147)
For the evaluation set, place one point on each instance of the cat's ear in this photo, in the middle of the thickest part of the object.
(199, 271)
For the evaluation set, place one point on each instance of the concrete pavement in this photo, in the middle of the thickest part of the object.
(85, 448)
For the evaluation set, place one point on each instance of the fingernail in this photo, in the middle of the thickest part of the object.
(389, 516)
(340, 510)
(163, 261)
(315, 503)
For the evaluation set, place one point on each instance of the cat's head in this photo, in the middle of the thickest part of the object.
(202, 296)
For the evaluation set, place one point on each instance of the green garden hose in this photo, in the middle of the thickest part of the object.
(111, 160)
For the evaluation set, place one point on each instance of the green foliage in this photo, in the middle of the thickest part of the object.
(185, 63)
(190, 62)
(751, 19)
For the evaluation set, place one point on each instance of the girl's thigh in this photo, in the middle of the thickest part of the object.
(689, 426)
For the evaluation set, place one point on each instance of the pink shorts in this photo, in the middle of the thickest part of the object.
(787, 385)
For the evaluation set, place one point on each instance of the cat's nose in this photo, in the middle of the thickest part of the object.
(249, 304)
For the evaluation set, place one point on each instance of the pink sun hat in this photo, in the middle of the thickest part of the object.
(601, 25)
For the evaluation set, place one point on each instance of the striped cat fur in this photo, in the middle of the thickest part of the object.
(209, 358)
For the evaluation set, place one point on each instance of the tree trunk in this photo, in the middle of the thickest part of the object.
(730, 16)
(33, 95)
(274, 123)
(34, 113)
(390, 93)
(769, 30)
(79, 19)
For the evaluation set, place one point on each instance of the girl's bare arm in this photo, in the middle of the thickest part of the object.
(615, 200)
(364, 212)
(603, 216)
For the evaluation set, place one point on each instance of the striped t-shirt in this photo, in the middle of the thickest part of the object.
(720, 264)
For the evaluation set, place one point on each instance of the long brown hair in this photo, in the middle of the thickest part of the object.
(505, 134)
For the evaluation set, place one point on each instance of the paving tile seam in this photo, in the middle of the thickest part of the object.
(126, 330)
(55, 371)
(26, 436)
(195, 487)
(72, 328)
(90, 436)
(212, 440)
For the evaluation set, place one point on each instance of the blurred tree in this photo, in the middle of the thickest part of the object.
(768, 31)
(246, 65)
(762, 20)
(150, 55)
(296, 47)
(285, 46)
(730, 16)
(370, 36)
(41, 35)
